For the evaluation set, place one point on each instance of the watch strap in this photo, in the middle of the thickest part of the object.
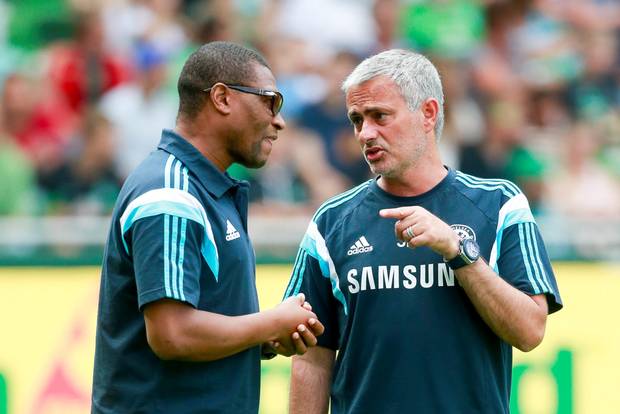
(462, 259)
(457, 262)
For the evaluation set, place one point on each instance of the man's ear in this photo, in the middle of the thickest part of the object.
(221, 98)
(430, 110)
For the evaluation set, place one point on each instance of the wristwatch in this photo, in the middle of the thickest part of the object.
(267, 352)
(469, 252)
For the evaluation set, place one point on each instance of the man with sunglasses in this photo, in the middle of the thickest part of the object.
(178, 328)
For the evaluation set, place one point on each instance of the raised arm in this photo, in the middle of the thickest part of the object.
(311, 377)
(514, 316)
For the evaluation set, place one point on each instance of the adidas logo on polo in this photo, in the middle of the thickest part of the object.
(231, 232)
(360, 246)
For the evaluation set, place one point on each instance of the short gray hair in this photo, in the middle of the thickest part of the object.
(416, 77)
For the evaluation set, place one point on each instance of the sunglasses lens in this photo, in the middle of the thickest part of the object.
(276, 103)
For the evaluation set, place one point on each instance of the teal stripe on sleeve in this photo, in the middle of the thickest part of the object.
(486, 187)
(509, 186)
(177, 174)
(181, 210)
(166, 251)
(545, 280)
(174, 246)
(528, 239)
(173, 256)
(300, 278)
(182, 256)
(182, 241)
(526, 261)
(310, 245)
(209, 253)
(294, 274)
(522, 215)
(167, 169)
(172, 208)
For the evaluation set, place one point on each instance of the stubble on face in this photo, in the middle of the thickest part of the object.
(398, 138)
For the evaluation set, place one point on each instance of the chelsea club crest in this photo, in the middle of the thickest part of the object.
(464, 232)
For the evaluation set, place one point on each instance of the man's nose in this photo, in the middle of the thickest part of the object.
(367, 132)
(278, 122)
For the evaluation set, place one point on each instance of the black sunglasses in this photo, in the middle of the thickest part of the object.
(277, 100)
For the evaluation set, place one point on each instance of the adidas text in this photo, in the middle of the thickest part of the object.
(360, 246)
(359, 250)
(231, 232)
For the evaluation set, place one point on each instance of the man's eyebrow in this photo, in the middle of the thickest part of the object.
(367, 110)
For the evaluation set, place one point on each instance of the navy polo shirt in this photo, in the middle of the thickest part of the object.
(179, 231)
(409, 338)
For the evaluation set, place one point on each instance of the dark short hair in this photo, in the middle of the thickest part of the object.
(214, 62)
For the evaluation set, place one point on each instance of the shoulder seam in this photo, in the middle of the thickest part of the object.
(352, 209)
(339, 199)
(508, 188)
(477, 207)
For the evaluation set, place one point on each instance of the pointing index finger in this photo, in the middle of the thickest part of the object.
(396, 213)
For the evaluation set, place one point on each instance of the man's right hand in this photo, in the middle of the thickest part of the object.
(298, 326)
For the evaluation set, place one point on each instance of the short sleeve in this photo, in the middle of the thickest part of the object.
(166, 252)
(523, 262)
(308, 279)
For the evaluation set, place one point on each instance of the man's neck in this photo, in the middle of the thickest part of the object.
(415, 181)
(205, 141)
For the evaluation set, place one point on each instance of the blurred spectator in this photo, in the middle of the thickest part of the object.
(165, 30)
(202, 30)
(124, 22)
(596, 91)
(36, 119)
(158, 22)
(493, 65)
(447, 28)
(504, 128)
(36, 23)
(327, 24)
(83, 70)
(386, 14)
(464, 121)
(544, 46)
(296, 67)
(518, 75)
(581, 188)
(86, 182)
(17, 186)
(297, 176)
(593, 14)
(503, 153)
(328, 118)
(140, 110)
(548, 122)
(221, 20)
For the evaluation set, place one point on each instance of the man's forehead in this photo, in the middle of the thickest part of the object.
(264, 78)
(373, 92)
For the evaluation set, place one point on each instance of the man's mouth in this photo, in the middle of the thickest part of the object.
(373, 153)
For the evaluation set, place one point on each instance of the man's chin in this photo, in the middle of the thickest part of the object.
(254, 164)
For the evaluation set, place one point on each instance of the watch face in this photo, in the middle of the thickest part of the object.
(471, 249)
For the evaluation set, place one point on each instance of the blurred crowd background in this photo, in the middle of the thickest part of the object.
(532, 95)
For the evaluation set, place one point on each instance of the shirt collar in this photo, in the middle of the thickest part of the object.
(216, 182)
